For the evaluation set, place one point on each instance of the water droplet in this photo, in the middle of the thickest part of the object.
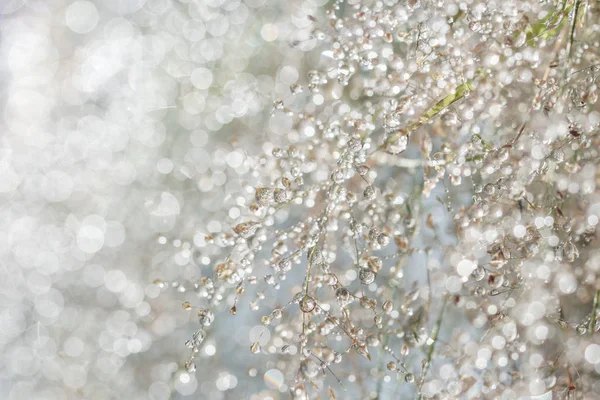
(295, 88)
(366, 276)
(363, 351)
(190, 367)
(206, 317)
(404, 350)
(282, 195)
(343, 296)
(264, 196)
(397, 145)
(285, 265)
(277, 105)
(570, 251)
(199, 336)
(255, 348)
(355, 145)
(309, 368)
(307, 304)
(246, 229)
(387, 306)
(475, 26)
(362, 170)
(478, 273)
(374, 233)
(383, 239)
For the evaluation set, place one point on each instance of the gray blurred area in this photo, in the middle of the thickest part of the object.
(124, 128)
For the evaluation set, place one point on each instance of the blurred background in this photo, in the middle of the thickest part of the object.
(124, 128)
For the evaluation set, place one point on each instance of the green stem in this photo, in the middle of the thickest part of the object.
(461, 91)
(594, 309)
(573, 25)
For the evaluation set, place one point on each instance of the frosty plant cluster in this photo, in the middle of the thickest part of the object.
(427, 226)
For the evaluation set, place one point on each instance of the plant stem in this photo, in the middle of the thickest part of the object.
(434, 337)
(594, 309)
(461, 91)
(380, 368)
(308, 269)
(573, 25)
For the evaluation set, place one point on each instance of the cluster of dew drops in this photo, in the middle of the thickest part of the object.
(490, 109)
